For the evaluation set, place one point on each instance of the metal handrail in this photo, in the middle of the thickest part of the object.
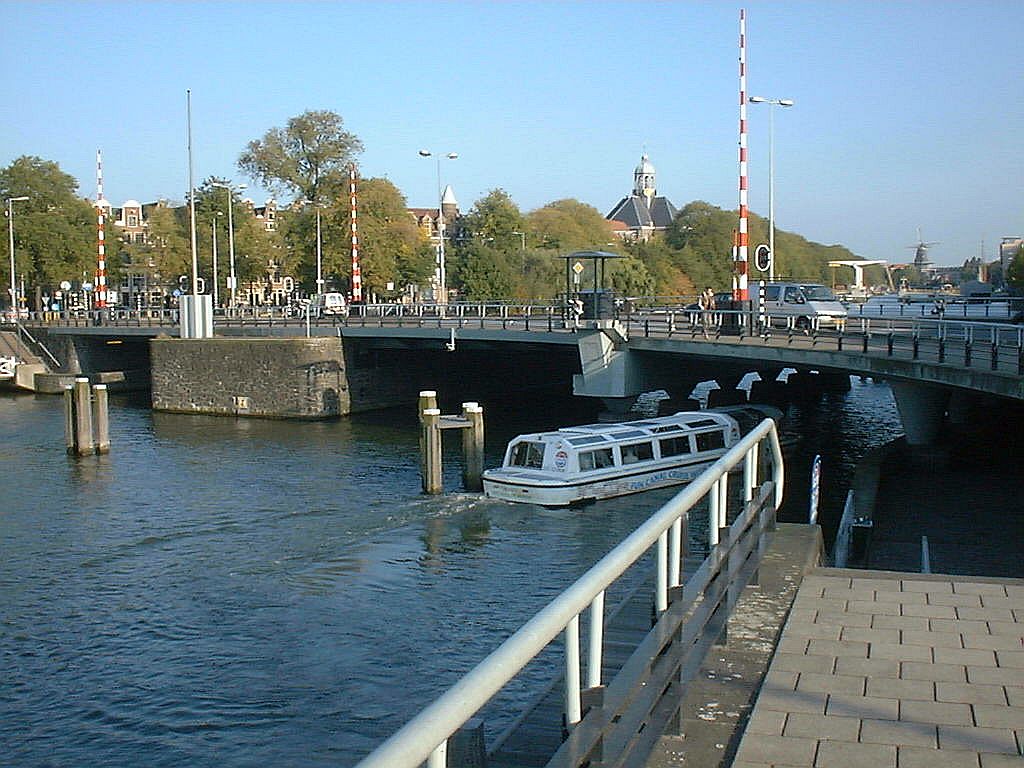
(425, 737)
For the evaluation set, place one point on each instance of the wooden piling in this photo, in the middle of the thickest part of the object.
(101, 418)
(83, 417)
(69, 419)
(473, 447)
(428, 399)
(431, 442)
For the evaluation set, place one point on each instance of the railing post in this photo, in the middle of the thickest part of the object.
(661, 590)
(995, 355)
(864, 346)
(439, 757)
(917, 342)
(573, 699)
(595, 651)
(967, 352)
(889, 342)
(675, 553)
(713, 501)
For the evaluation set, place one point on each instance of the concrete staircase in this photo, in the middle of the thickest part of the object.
(28, 363)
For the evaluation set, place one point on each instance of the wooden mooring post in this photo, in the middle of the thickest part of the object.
(86, 418)
(470, 422)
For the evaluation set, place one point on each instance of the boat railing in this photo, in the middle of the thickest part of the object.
(689, 620)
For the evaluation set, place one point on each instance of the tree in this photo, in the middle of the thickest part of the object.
(309, 157)
(569, 225)
(1015, 272)
(55, 229)
(495, 219)
(483, 273)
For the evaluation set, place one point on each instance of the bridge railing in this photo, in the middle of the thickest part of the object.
(688, 620)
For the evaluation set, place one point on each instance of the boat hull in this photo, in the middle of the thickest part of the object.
(508, 486)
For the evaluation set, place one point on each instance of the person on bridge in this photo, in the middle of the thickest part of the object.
(707, 308)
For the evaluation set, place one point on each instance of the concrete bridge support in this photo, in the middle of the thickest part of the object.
(922, 410)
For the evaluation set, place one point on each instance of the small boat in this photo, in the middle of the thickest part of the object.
(598, 461)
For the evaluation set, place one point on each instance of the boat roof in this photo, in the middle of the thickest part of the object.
(593, 434)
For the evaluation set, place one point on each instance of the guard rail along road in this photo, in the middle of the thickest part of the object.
(631, 711)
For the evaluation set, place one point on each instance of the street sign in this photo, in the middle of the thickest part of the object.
(578, 267)
(763, 258)
(65, 285)
(815, 488)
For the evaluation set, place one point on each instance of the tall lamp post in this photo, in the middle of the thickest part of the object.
(441, 276)
(10, 235)
(232, 280)
(319, 249)
(771, 172)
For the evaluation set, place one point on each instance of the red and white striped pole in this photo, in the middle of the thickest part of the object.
(101, 256)
(357, 278)
(740, 267)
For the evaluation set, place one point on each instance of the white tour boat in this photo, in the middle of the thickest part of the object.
(598, 461)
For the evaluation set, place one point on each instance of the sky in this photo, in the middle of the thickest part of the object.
(907, 115)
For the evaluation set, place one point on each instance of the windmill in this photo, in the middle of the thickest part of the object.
(921, 252)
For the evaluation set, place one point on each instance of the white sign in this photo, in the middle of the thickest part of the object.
(578, 267)
(65, 285)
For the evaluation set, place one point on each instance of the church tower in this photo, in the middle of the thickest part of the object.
(643, 180)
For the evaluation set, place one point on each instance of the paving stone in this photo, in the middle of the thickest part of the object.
(843, 618)
(874, 584)
(921, 757)
(873, 608)
(837, 648)
(995, 676)
(937, 712)
(896, 732)
(792, 701)
(901, 597)
(917, 670)
(983, 614)
(799, 662)
(994, 716)
(1015, 695)
(894, 688)
(967, 656)
(777, 749)
(1000, 761)
(822, 727)
(910, 585)
(955, 599)
(813, 582)
(815, 630)
(816, 683)
(901, 652)
(958, 625)
(1001, 740)
(919, 623)
(1012, 659)
(934, 611)
(1015, 628)
(865, 667)
(845, 705)
(797, 645)
(818, 603)
(970, 693)
(870, 635)
(978, 588)
(1009, 603)
(934, 639)
(835, 593)
(767, 722)
(802, 614)
(779, 680)
(844, 754)
(993, 642)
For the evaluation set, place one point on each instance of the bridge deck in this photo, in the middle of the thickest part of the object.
(884, 669)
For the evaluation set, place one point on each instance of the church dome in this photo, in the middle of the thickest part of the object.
(645, 168)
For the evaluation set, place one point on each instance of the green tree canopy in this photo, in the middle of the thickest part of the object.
(569, 225)
(1015, 272)
(308, 158)
(55, 229)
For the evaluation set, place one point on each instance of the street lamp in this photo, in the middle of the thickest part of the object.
(771, 172)
(441, 277)
(522, 251)
(232, 280)
(319, 249)
(10, 234)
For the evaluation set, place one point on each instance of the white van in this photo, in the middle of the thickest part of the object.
(330, 304)
(805, 305)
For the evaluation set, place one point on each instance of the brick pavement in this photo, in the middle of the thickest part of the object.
(895, 670)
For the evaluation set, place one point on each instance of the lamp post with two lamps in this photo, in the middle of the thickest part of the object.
(232, 280)
(771, 173)
(441, 277)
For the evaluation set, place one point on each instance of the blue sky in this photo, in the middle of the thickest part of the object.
(907, 114)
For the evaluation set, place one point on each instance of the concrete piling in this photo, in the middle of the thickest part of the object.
(473, 447)
(430, 418)
(100, 418)
(82, 417)
(69, 419)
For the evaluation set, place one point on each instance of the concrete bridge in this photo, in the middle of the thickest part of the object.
(935, 367)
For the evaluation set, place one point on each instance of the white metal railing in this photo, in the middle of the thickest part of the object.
(426, 736)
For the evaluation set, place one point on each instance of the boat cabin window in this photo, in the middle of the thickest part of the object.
(598, 459)
(674, 446)
(625, 435)
(709, 441)
(527, 454)
(667, 428)
(631, 454)
(586, 440)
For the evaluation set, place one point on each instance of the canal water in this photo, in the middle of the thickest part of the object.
(221, 592)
